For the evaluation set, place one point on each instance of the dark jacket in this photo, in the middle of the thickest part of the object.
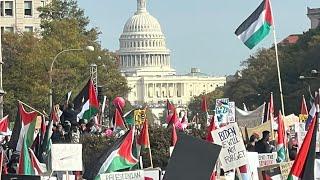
(262, 146)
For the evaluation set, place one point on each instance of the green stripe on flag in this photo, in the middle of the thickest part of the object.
(258, 36)
(29, 136)
(119, 163)
(88, 114)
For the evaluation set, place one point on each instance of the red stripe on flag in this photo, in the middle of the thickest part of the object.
(268, 12)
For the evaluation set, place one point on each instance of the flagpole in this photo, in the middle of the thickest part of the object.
(150, 155)
(277, 58)
(32, 108)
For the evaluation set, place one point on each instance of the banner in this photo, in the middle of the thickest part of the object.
(233, 153)
(66, 157)
(250, 119)
(257, 130)
(127, 175)
(222, 110)
(232, 112)
(266, 159)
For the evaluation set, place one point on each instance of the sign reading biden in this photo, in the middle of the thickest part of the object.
(233, 153)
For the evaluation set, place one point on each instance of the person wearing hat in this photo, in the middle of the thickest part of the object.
(263, 145)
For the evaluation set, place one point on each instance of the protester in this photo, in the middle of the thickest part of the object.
(263, 145)
(292, 148)
(69, 114)
(252, 141)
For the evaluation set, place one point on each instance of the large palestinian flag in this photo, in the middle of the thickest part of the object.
(256, 26)
(23, 128)
(87, 102)
(119, 157)
(303, 166)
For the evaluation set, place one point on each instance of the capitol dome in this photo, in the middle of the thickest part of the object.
(142, 45)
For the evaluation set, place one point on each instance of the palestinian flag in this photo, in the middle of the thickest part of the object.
(271, 174)
(118, 121)
(304, 110)
(281, 137)
(303, 166)
(204, 107)
(4, 125)
(173, 119)
(170, 107)
(211, 127)
(257, 26)
(24, 127)
(25, 166)
(174, 136)
(38, 168)
(119, 157)
(144, 140)
(47, 142)
(87, 102)
(129, 117)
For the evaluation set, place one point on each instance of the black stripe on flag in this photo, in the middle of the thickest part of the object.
(250, 20)
(308, 168)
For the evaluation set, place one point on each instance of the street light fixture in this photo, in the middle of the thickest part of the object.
(88, 48)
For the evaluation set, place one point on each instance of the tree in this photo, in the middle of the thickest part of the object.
(28, 58)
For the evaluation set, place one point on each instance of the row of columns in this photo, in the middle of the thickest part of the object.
(164, 90)
(143, 60)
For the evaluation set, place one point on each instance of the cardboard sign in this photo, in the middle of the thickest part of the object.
(201, 154)
(233, 153)
(222, 110)
(127, 175)
(266, 159)
(66, 157)
(232, 112)
(285, 168)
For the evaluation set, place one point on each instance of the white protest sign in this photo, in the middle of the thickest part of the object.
(152, 174)
(127, 175)
(66, 157)
(233, 153)
(302, 135)
(299, 126)
(232, 112)
(266, 159)
(253, 164)
(222, 110)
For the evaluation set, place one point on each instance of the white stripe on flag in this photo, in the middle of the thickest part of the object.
(253, 27)
(85, 107)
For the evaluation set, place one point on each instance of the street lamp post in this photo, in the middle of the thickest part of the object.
(1, 88)
(89, 48)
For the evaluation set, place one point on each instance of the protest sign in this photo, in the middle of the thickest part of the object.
(285, 168)
(222, 110)
(302, 135)
(250, 119)
(233, 153)
(270, 172)
(201, 154)
(126, 175)
(152, 174)
(299, 126)
(266, 159)
(66, 157)
(257, 130)
(253, 164)
(232, 112)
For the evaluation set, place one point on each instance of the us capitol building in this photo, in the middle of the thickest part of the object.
(145, 62)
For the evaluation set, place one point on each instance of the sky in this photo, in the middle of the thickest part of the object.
(199, 33)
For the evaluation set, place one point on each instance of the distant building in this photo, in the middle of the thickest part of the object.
(290, 40)
(145, 62)
(20, 15)
(314, 16)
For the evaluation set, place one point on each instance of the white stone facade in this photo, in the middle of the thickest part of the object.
(314, 16)
(20, 15)
(145, 62)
